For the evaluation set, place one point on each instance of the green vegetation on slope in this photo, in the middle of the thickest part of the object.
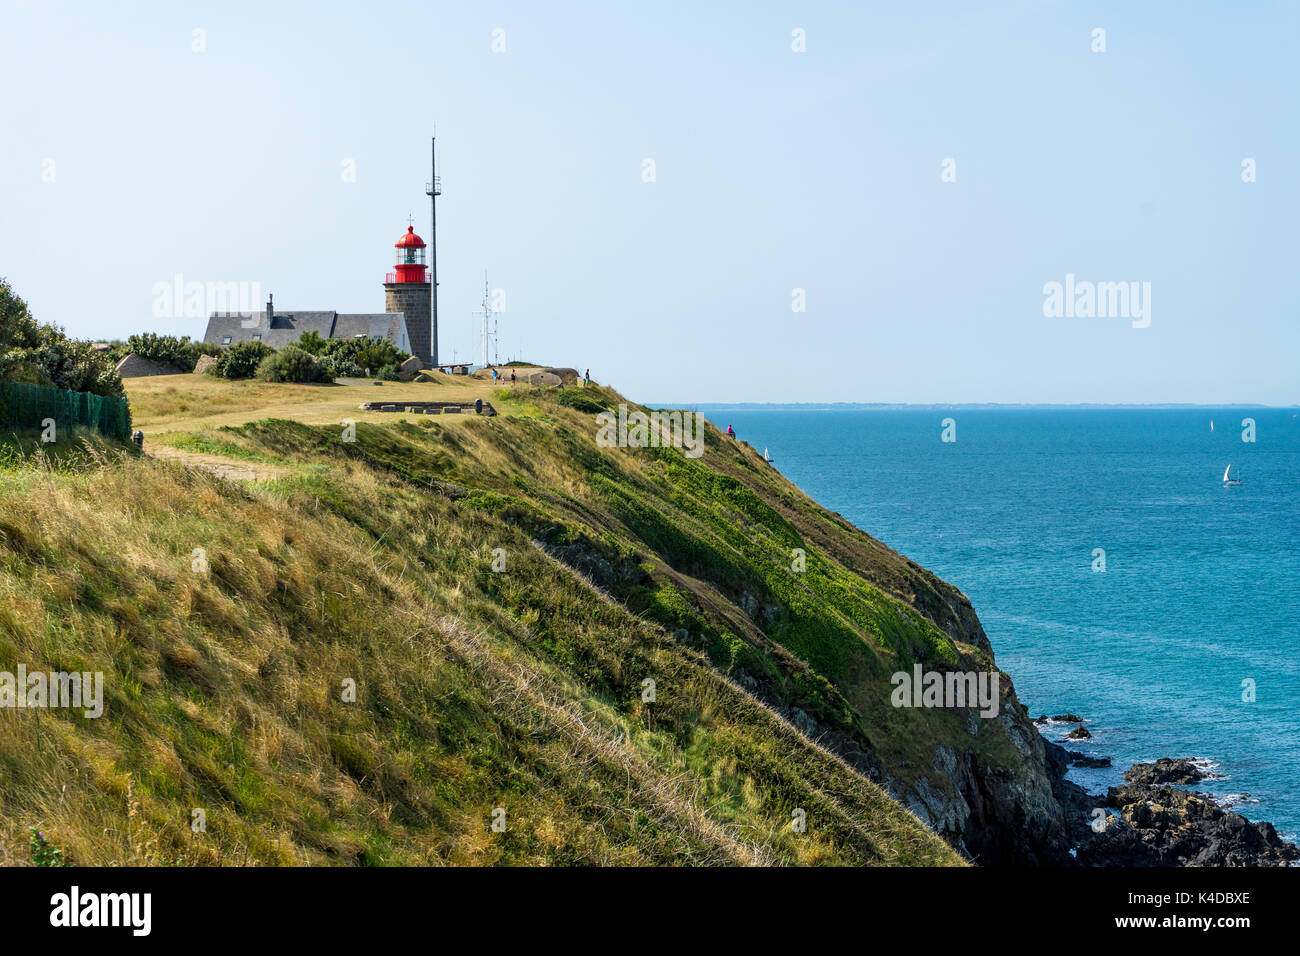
(476, 690)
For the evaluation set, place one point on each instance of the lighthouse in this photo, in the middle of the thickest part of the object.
(407, 290)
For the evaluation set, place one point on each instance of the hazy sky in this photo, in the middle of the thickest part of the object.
(128, 157)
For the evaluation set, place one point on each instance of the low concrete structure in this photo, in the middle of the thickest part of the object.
(530, 374)
(134, 366)
(433, 408)
(408, 369)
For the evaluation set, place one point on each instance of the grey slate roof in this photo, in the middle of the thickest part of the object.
(286, 328)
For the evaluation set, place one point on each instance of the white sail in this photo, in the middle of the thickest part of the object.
(1226, 471)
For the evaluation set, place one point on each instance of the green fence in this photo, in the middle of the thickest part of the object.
(27, 407)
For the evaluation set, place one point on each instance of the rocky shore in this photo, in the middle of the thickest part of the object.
(1151, 820)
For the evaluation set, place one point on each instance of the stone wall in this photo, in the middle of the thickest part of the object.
(413, 299)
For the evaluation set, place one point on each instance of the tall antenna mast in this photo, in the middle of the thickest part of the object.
(487, 315)
(433, 189)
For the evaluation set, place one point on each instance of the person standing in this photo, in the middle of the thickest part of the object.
(586, 379)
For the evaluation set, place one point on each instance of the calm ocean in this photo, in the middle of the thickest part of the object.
(1201, 587)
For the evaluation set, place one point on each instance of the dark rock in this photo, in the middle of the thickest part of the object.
(1059, 719)
(1162, 825)
(1079, 733)
(1167, 770)
(1076, 803)
(1154, 824)
(1083, 760)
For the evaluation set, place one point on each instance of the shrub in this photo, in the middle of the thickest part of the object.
(201, 349)
(341, 367)
(179, 353)
(292, 364)
(241, 360)
(377, 353)
(312, 342)
(583, 403)
(43, 853)
(74, 365)
(44, 355)
(351, 357)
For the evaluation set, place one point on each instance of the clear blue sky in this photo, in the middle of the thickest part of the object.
(775, 170)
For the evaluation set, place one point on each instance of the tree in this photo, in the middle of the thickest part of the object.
(44, 355)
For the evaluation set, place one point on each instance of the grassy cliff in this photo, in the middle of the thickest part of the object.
(502, 592)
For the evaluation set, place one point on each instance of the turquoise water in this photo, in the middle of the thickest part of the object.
(1201, 588)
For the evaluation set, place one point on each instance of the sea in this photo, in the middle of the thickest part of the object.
(1116, 575)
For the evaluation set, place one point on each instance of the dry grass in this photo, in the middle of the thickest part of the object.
(475, 690)
(184, 402)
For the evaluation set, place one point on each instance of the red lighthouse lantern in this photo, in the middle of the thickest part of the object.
(410, 259)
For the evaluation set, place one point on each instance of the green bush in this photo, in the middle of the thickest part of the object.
(44, 355)
(584, 403)
(180, 352)
(292, 364)
(241, 360)
(350, 358)
(343, 368)
(43, 853)
(313, 343)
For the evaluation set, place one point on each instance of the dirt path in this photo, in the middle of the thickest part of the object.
(231, 468)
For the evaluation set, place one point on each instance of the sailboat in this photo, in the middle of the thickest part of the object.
(768, 458)
(1229, 478)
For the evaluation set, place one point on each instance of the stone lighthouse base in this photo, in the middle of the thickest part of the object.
(412, 298)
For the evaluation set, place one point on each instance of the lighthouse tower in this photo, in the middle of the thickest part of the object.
(407, 290)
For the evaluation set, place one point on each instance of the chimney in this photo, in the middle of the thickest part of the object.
(270, 309)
